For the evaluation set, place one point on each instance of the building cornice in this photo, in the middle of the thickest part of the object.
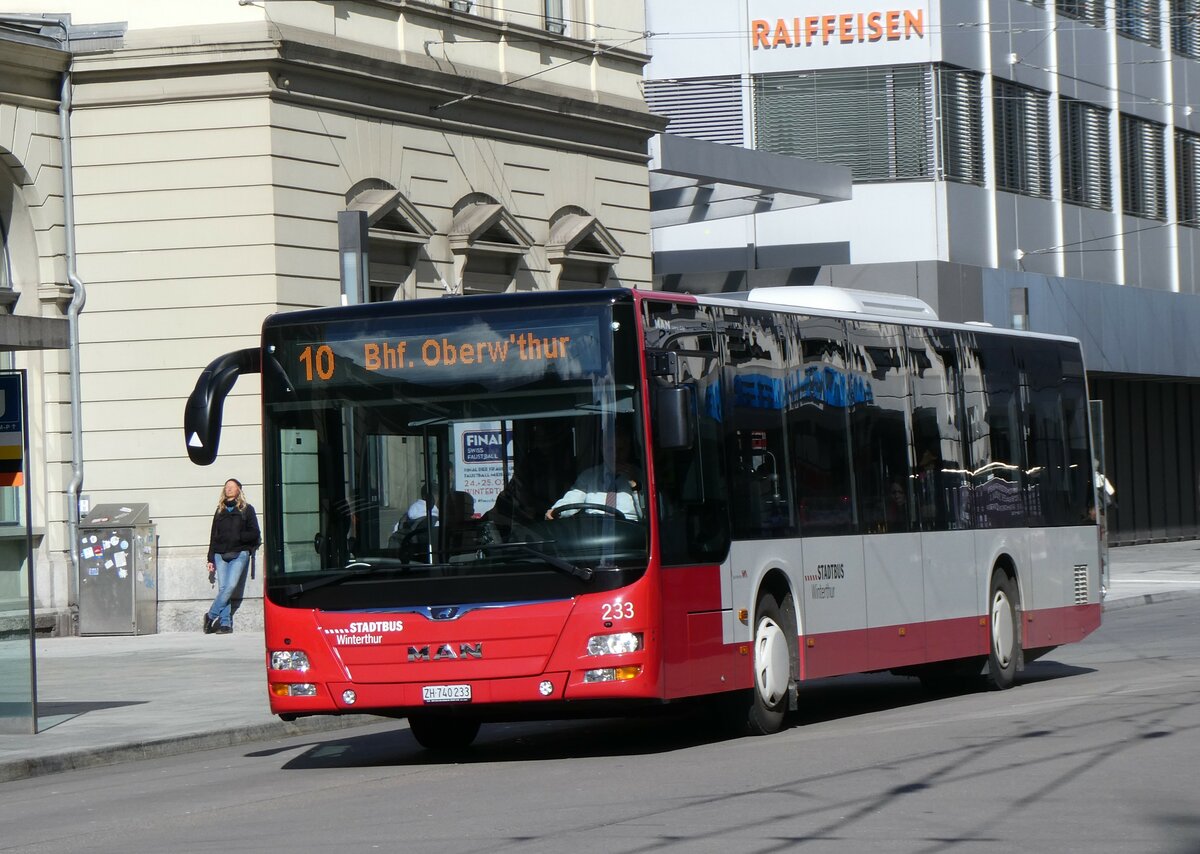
(31, 73)
(301, 66)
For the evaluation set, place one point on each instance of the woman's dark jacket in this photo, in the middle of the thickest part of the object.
(233, 532)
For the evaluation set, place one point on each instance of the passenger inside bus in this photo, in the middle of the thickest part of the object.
(896, 507)
(533, 486)
(459, 524)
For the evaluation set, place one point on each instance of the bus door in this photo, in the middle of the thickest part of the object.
(691, 501)
(942, 492)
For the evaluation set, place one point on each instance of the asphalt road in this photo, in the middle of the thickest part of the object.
(1095, 750)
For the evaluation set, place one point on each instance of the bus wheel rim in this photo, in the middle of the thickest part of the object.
(1003, 630)
(771, 662)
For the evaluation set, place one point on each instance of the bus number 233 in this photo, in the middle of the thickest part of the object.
(616, 611)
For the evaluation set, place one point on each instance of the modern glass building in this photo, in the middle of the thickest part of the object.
(1027, 164)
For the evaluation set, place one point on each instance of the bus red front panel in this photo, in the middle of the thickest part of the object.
(533, 652)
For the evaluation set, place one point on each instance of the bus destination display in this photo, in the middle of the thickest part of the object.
(516, 350)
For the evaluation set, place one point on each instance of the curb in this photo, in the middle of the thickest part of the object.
(1149, 599)
(81, 758)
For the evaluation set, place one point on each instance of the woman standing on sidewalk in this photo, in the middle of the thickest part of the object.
(235, 536)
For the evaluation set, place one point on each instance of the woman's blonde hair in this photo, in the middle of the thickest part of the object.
(241, 496)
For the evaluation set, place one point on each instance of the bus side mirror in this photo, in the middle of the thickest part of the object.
(202, 415)
(673, 417)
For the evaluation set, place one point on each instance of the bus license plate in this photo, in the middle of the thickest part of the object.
(446, 693)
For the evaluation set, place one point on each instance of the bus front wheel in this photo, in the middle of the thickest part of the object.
(772, 668)
(1005, 624)
(443, 732)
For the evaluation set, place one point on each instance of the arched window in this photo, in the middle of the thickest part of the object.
(397, 236)
(582, 250)
(489, 245)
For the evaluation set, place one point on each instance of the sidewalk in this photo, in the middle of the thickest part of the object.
(105, 700)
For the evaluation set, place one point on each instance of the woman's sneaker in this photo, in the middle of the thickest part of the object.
(224, 630)
(210, 624)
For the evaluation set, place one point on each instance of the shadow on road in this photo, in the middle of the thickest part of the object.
(672, 729)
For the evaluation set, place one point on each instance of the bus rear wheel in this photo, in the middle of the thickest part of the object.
(1005, 628)
(443, 732)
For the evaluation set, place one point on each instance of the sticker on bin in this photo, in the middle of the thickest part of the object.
(446, 693)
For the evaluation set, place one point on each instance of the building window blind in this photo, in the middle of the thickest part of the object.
(1138, 19)
(708, 108)
(555, 21)
(961, 137)
(1086, 170)
(1089, 11)
(1143, 168)
(1021, 124)
(878, 122)
(1187, 178)
(1185, 27)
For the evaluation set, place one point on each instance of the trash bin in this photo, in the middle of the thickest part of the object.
(118, 571)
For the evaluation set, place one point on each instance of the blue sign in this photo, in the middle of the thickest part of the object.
(482, 446)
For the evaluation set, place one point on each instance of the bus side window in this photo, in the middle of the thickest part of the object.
(818, 428)
(757, 350)
(880, 427)
(940, 485)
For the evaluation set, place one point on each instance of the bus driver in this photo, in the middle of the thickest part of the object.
(617, 486)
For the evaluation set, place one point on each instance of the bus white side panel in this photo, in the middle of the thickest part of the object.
(990, 546)
(895, 580)
(952, 583)
(1065, 582)
(826, 574)
(748, 562)
(833, 595)
(1040, 588)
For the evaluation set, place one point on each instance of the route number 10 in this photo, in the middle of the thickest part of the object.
(320, 361)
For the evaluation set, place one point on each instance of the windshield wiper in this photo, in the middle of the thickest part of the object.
(355, 569)
(584, 573)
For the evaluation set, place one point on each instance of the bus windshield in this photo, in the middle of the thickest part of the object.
(464, 457)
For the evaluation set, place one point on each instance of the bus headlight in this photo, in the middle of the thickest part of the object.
(617, 644)
(289, 659)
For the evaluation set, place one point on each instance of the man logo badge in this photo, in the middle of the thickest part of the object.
(446, 652)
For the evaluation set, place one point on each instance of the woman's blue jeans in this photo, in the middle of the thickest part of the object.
(229, 575)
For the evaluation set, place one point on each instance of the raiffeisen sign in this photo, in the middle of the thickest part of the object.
(829, 34)
(843, 28)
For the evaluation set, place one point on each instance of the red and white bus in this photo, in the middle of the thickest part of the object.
(827, 482)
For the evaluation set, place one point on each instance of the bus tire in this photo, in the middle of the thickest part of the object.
(443, 732)
(773, 668)
(1004, 624)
